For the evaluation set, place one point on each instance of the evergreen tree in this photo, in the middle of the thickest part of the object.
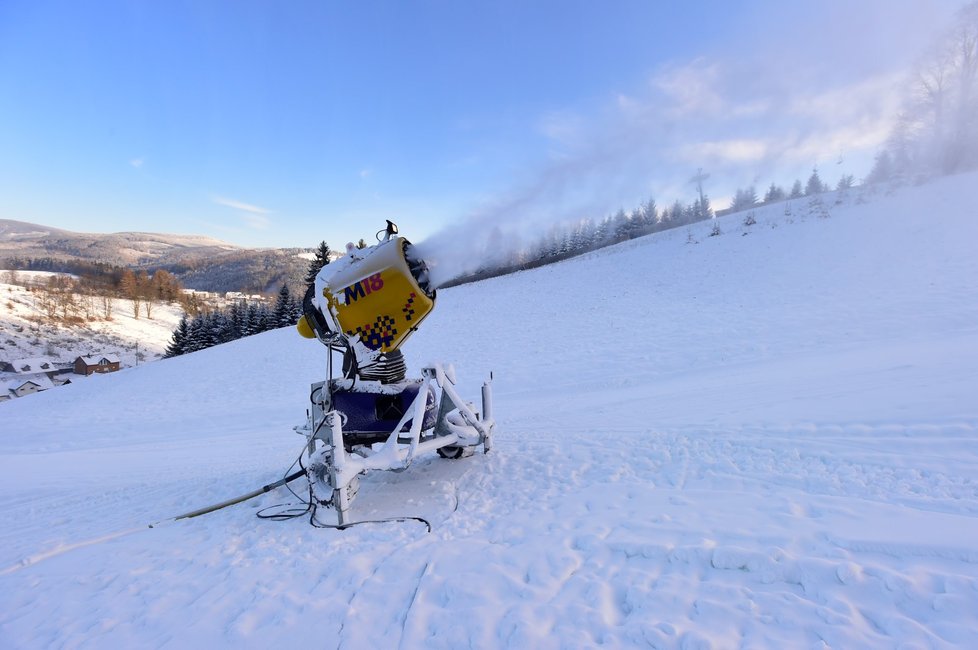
(320, 260)
(814, 185)
(882, 168)
(620, 226)
(701, 209)
(237, 320)
(845, 183)
(678, 213)
(650, 215)
(744, 199)
(665, 220)
(178, 340)
(774, 194)
(796, 191)
(216, 329)
(602, 233)
(196, 335)
(282, 313)
(296, 311)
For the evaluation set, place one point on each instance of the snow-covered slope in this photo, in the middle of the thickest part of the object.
(751, 441)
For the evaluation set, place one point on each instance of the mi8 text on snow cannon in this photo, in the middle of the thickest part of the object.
(369, 415)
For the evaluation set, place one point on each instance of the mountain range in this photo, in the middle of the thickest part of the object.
(199, 262)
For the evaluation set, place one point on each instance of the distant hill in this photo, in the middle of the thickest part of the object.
(199, 262)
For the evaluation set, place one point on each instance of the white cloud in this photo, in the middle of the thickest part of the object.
(257, 221)
(564, 128)
(690, 88)
(365, 173)
(254, 217)
(239, 205)
(732, 151)
(878, 95)
(137, 162)
(831, 143)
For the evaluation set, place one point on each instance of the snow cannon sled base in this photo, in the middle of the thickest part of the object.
(346, 437)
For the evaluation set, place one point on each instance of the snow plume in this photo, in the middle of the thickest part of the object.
(506, 230)
(820, 90)
(651, 147)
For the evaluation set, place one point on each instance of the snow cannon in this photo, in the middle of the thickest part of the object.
(369, 415)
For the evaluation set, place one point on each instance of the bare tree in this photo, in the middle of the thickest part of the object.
(107, 307)
(129, 285)
(938, 130)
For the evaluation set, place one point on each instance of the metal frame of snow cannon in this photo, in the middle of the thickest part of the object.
(334, 467)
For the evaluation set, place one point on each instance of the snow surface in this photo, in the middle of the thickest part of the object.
(751, 441)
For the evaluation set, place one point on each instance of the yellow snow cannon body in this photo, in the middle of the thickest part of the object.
(375, 295)
(378, 295)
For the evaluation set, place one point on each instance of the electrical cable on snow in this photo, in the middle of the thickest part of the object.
(310, 506)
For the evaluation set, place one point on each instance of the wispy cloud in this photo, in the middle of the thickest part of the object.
(137, 162)
(257, 221)
(730, 151)
(563, 127)
(690, 89)
(239, 205)
(252, 216)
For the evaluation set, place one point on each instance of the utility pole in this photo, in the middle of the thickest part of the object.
(698, 179)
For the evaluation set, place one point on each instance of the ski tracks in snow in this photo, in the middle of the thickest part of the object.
(642, 550)
(692, 537)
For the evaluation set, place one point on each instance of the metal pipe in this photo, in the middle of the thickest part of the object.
(231, 502)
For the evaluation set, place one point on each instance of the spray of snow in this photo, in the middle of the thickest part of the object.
(767, 114)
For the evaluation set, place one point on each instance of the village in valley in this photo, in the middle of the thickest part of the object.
(54, 332)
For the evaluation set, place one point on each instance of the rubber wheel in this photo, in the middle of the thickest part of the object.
(451, 452)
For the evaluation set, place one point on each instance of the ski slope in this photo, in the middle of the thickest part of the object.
(756, 440)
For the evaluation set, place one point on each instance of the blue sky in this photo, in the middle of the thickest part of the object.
(282, 124)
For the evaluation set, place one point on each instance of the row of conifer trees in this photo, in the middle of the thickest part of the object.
(243, 318)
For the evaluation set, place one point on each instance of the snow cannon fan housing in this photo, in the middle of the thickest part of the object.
(378, 294)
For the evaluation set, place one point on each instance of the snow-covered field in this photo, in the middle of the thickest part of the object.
(752, 441)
